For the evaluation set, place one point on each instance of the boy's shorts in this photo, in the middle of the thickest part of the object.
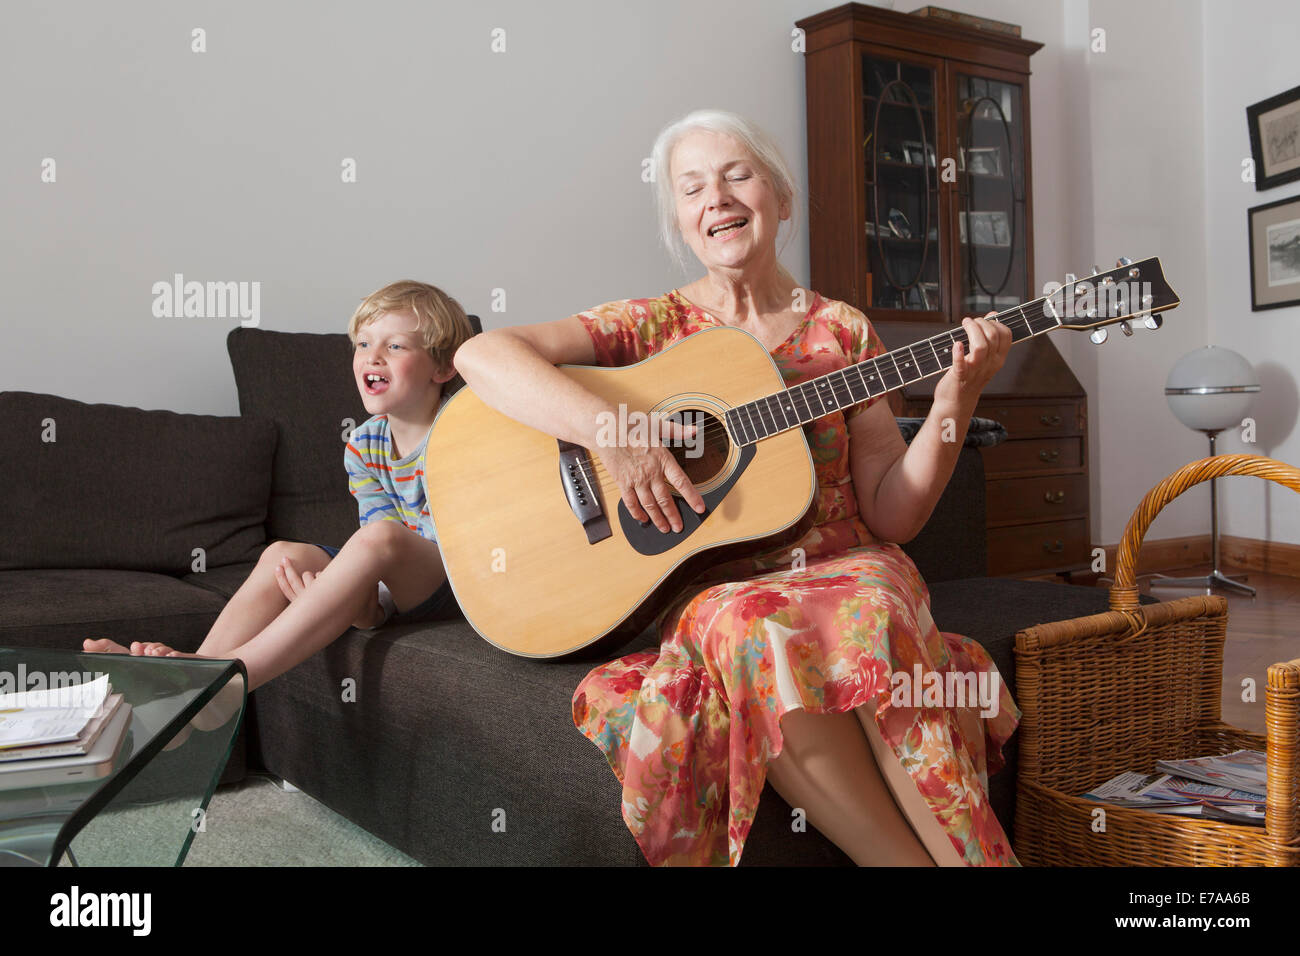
(439, 605)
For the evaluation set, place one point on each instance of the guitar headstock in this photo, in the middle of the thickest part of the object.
(1129, 292)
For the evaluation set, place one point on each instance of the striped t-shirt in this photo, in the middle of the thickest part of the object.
(387, 488)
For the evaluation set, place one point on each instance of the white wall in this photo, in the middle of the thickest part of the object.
(477, 170)
(522, 171)
(1249, 56)
(1136, 123)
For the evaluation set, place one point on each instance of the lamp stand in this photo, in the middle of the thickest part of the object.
(1215, 576)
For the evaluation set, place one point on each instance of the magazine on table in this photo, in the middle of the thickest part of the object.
(51, 716)
(72, 748)
(66, 734)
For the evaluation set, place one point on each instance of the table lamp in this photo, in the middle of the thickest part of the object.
(1209, 390)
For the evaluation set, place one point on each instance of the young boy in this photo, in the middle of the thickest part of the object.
(300, 597)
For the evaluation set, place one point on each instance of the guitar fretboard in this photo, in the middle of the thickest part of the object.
(810, 400)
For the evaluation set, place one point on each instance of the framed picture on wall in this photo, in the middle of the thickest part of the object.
(1275, 139)
(1274, 231)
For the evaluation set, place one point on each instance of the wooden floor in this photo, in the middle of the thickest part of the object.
(1262, 630)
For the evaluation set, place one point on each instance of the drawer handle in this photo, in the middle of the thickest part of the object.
(1054, 549)
(1052, 455)
(1054, 497)
(1050, 419)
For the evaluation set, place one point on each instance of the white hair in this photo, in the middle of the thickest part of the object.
(715, 121)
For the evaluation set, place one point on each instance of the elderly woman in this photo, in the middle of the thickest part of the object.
(765, 671)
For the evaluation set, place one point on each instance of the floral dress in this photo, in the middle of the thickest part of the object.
(689, 728)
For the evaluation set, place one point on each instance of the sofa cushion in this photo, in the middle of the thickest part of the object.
(127, 488)
(992, 610)
(223, 581)
(61, 608)
(303, 382)
(445, 735)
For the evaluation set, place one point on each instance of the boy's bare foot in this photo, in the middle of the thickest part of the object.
(103, 646)
(222, 707)
(137, 649)
(182, 735)
(216, 713)
(154, 649)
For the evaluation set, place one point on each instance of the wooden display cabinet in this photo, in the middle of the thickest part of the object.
(920, 213)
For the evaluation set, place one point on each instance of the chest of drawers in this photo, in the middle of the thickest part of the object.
(1036, 481)
(1037, 486)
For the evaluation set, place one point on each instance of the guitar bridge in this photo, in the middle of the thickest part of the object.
(575, 475)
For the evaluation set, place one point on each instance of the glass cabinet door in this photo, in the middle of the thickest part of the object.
(993, 267)
(904, 266)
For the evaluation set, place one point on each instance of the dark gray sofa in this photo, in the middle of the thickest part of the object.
(448, 735)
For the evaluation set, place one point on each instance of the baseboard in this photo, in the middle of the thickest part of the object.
(1247, 554)
(1164, 554)
(1269, 557)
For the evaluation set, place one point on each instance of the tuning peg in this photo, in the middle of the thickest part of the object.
(1071, 278)
(1153, 322)
(1098, 336)
(1096, 270)
(1126, 328)
(1123, 261)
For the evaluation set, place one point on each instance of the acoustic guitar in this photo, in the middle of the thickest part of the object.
(539, 547)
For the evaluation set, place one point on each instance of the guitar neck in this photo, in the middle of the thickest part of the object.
(797, 406)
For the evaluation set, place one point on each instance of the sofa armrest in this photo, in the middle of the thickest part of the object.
(954, 542)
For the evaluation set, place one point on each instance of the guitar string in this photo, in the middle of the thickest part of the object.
(592, 469)
(839, 391)
(1025, 314)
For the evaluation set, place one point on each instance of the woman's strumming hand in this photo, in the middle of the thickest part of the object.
(647, 474)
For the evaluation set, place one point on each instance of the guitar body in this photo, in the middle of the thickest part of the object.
(519, 556)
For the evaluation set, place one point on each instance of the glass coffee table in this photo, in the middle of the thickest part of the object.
(147, 808)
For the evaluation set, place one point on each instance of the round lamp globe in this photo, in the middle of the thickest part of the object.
(1211, 389)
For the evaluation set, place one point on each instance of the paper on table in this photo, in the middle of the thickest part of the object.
(72, 748)
(49, 716)
(84, 696)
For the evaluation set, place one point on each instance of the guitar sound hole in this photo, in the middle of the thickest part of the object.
(704, 455)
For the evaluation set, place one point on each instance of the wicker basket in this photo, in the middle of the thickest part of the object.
(1120, 690)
